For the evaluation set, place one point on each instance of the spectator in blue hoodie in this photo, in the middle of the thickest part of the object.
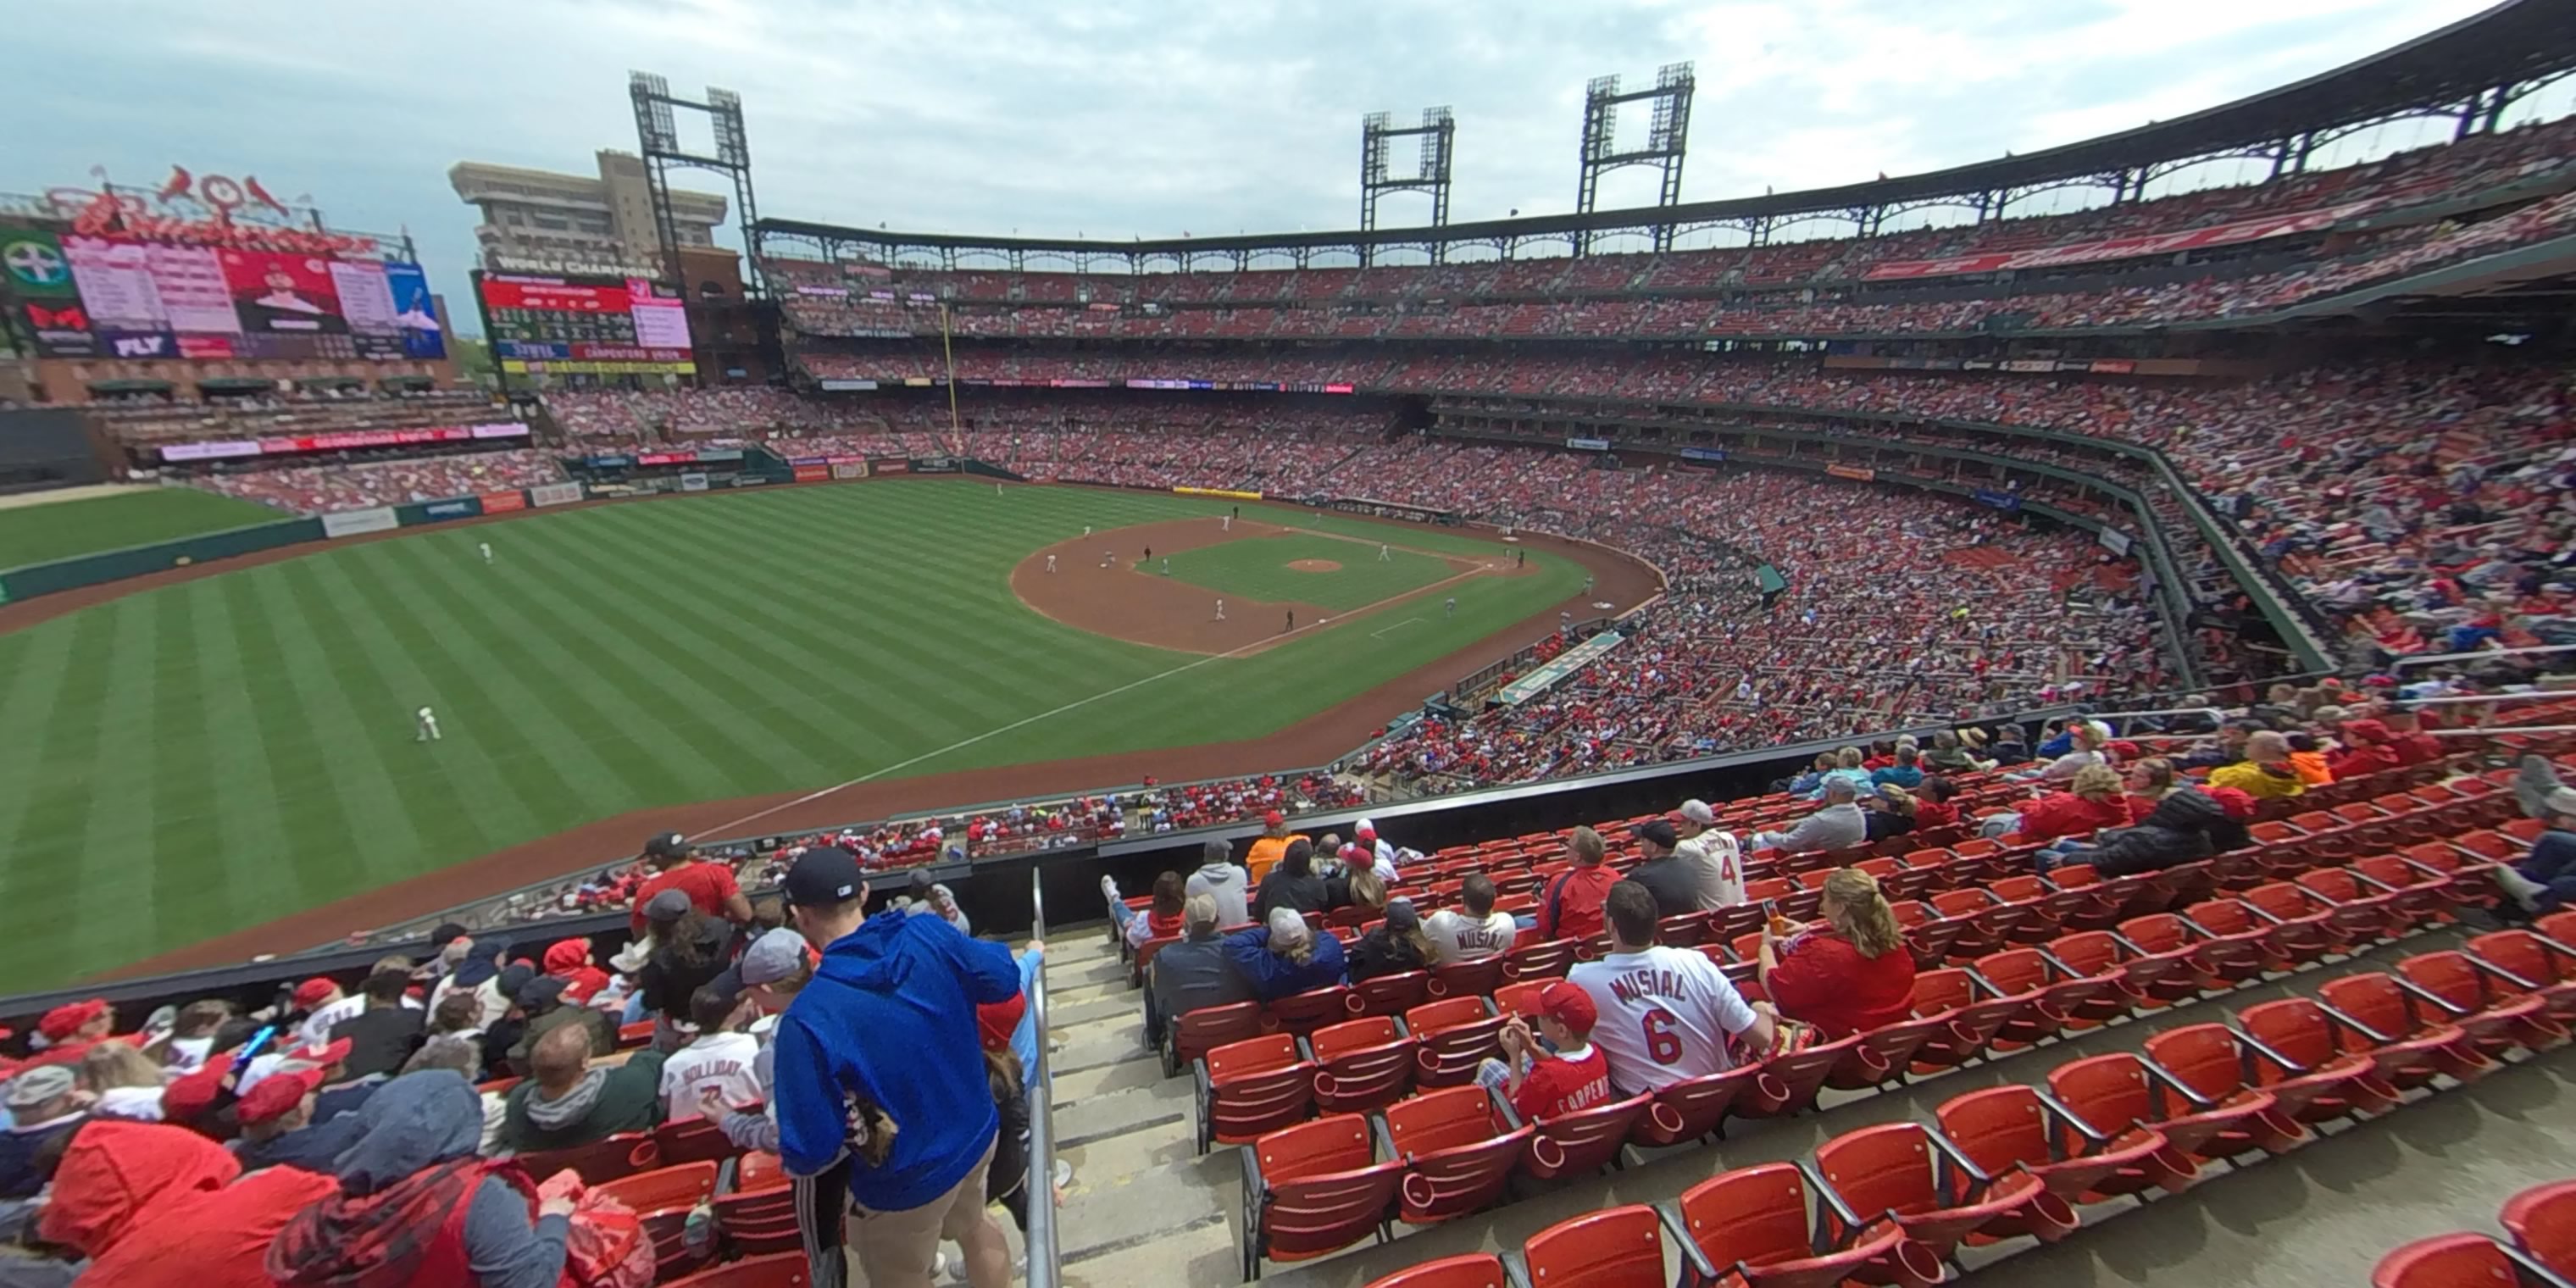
(885, 1117)
(1284, 957)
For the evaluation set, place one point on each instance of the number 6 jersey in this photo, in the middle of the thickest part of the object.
(1665, 1015)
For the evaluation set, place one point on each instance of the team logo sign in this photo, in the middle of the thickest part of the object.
(35, 264)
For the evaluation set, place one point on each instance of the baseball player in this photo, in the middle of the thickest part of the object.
(1220, 610)
(1382, 555)
(424, 725)
(486, 548)
(1587, 583)
(1291, 627)
(1564, 622)
(1225, 523)
(1167, 565)
(1451, 607)
(1149, 554)
(1050, 563)
(1086, 529)
(1108, 557)
(1665, 1013)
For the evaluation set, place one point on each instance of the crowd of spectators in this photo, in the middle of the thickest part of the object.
(321, 487)
(1773, 288)
(143, 423)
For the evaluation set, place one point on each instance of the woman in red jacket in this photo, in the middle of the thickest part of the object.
(1848, 973)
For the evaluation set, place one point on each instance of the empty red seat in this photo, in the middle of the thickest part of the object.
(2239, 943)
(1467, 1270)
(1521, 999)
(2210, 1061)
(1251, 1088)
(2013, 1126)
(2542, 1222)
(1315, 1188)
(2447, 1261)
(698, 1140)
(2299, 1044)
(760, 1223)
(1466, 979)
(2100, 958)
(1883, 1054)
(1360, 1065)
(2497, 1011)
(1622, 1247)
(1190, 1037)
(2175, 959)
(2307, 925)
(1391, 994)
(1970, 1017)
(1936, 1196)
(2393, 1026)
(1546, 959)
(2363, 909)
(2108, 1090)
(1457, 1154)
(2547, 967)
(1755, 1227)
(1450, 1037)
(2024, 974)
(599, 1161)
(1693, 1108)
(1583, 1141)
(1303, 1013)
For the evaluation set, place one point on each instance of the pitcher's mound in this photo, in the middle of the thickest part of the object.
(1314, 565)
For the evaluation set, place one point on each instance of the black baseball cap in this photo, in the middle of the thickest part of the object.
(1657, 831)
(666, 845)
(823, 876)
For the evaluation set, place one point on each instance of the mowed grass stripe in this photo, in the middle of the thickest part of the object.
(460, 804)
(614, 658)
(119, 819)
(548, 722)
(242, 815)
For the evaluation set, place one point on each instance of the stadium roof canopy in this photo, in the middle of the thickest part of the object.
(2471, 70)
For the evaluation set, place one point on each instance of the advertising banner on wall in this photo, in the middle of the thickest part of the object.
(555, 494)
(813, 473)
(504, 502)
(1861, 473)
(350, 523)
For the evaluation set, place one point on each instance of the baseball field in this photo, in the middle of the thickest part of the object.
(234, 754)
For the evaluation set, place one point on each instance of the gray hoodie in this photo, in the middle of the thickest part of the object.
(422, 1119)
(1228, 885)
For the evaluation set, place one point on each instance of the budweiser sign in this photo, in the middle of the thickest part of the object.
(186, 208)
(2088, 252)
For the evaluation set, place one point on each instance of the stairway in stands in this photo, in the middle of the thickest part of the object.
(1144, 1208)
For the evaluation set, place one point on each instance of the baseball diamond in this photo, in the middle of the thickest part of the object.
(242, 733)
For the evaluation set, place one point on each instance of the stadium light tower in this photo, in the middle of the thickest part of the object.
(1438, 134)
(1667, 138)
(658, 138)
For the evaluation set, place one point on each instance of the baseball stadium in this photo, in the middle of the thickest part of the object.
(2007, 723)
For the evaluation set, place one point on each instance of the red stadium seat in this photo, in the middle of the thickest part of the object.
(1361, 1065)
(1392, 994)
(2295, 1043)
(2542, 1222)
(1547, 959)
(1303, 1013)
(663, 1199)
(2498, 1011)
(1466, 979)
(1457, 1154)
(1619, 1248)
(1694, 1108)
(2549, 968)
(2113, 1091)
(698, 1140)
(1931, 1191)
(2007, 1127)
(1251, 1088)
(1467, 1270)
(1451, 1037)
(1583, 1141)
(2390, 1024)
(1754, 1227)
(2447, 1261)
(1313, 1189)
(600, 1161)
(1191, 1036)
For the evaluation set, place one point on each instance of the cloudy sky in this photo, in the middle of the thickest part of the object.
(1115, 117)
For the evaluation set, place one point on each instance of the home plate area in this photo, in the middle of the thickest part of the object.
(1162, 583)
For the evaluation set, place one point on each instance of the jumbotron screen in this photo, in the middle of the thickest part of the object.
(599, 326)
(115, 296)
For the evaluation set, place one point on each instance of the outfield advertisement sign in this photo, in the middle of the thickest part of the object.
(693, 482)
(553, 494)
(1588, 444)
(1857, 473)
(503, 502)
(890, 467)
(1703, 453)
(934, 465)
(1546, 675)
(816, 473)
(347, 440)
(849, 469)
(350, 523)
(464, 507)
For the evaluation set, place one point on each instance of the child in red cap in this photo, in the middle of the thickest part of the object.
(1567, 1074)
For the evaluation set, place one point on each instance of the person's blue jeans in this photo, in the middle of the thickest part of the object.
(2059, 852)
(634, 1009)
(2552, 863)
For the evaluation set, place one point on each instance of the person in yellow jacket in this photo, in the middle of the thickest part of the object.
(1269, 846)
(2266, 772)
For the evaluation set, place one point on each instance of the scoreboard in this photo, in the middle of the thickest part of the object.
(601, 326)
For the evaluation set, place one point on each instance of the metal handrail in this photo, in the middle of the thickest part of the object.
(1045, 1269)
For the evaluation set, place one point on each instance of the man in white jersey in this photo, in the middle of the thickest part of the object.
(425, 725)
(1475, 934)
(1714, 856)
(486, 548)
(1665, 1012)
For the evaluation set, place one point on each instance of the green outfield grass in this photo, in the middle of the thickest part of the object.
(34, 534)
(208, 756)
(1258, 569)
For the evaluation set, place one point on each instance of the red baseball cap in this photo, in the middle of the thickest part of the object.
(314, 991)
(996, 1021)
(1274, 818)
(191, 1096)
(275, 1095)
(326, 1054)
(567, 955)
(1569, 1005)
(67, 1019)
